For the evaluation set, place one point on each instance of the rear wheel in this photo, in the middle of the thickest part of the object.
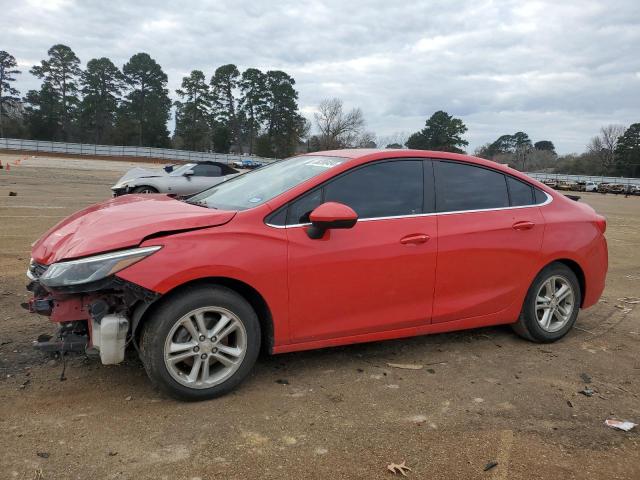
(201, 343)
(551, 306)
(144, 189)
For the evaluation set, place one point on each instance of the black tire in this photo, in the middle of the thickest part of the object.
(164, 317)
(144, 189)
(528, 325)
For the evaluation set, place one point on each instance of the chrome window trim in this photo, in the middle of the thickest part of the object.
(456, 212)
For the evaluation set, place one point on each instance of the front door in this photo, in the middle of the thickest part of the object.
(378, 275)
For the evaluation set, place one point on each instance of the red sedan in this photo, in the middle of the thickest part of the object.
(318, 250)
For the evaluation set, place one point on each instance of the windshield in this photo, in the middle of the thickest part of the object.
(176, 172)
(259, 186)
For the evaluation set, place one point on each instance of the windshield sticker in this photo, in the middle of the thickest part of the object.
(324, 162)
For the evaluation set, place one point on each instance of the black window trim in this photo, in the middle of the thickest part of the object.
(426, 170)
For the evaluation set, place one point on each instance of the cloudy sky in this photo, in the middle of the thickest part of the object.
(557, 70)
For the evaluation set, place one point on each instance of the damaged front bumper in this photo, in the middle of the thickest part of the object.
(95, 318)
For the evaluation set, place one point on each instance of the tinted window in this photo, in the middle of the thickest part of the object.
(299, 210)
(541, 197)
(205, 170)
(467, 187)
(520, 192)
(383, 189)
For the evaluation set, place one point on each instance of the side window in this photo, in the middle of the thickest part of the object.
(384, 189)
(206, 170)
(299, 210)
(461, 186)
(541, 197)
(519, 192)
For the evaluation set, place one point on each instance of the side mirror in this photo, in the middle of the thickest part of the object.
(330, 215)
(188, 173)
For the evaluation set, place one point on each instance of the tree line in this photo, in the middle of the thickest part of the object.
(254, 111)
(251, 112)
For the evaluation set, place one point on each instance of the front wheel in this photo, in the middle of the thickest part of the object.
(551, 306)
(201, 343)
(144, 189)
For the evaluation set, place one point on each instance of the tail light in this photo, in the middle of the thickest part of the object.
(601, 222)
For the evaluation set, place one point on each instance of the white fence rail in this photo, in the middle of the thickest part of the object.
(561, 177)
(122, 151)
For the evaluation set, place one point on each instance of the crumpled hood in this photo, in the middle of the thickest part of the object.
(120, 223)
(139, 172)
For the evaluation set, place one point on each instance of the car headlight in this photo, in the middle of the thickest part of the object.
(120, 185)
(91, 269)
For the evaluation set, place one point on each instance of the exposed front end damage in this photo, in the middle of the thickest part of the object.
(95, 318)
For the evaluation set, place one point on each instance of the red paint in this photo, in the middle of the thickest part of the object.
(332, 211)
(381, 279)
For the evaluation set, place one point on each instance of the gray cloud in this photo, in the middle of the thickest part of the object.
(557, 70)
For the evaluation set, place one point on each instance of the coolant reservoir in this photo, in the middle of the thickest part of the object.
(110, 337)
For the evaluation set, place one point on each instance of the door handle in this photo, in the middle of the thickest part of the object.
(415, 239)
(524, 225)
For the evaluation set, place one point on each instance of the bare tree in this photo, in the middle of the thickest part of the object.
(337, 128)
(366, 140)
(604, 145)
(395, 140)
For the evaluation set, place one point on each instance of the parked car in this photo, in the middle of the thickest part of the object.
(590, 187)
(318, 250)
(566, 186)
(248, 164)
(616, 188)
(603, 187)
(550, 183)
(185, 179)
(633, 189)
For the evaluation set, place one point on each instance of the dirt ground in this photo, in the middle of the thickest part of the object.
(482, 396)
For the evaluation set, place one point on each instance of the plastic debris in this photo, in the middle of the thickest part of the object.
(619, 424)
(400, 468)
(406, 366)
(630, 300)
(587, 392)
(490, 465)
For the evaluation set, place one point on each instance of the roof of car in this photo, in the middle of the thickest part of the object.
(354, 153)
(370, 154)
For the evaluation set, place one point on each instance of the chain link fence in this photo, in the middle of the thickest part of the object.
(561, 177)
(86, 149)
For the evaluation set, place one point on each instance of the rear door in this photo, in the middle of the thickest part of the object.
(489, 238)
(376, 276)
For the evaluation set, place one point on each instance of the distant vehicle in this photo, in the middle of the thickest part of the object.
(616, 188)
(566, 186)
(248, 164)
(632, 190)
(603, 187)
(184, 179)
(591, 187)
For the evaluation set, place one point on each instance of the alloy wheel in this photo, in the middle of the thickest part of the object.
(555, 302)
(205, 347)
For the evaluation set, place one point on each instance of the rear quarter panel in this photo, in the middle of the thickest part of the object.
(571, 233)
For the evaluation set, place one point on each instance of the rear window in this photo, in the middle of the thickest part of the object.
(520, 193)
(462, 187)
